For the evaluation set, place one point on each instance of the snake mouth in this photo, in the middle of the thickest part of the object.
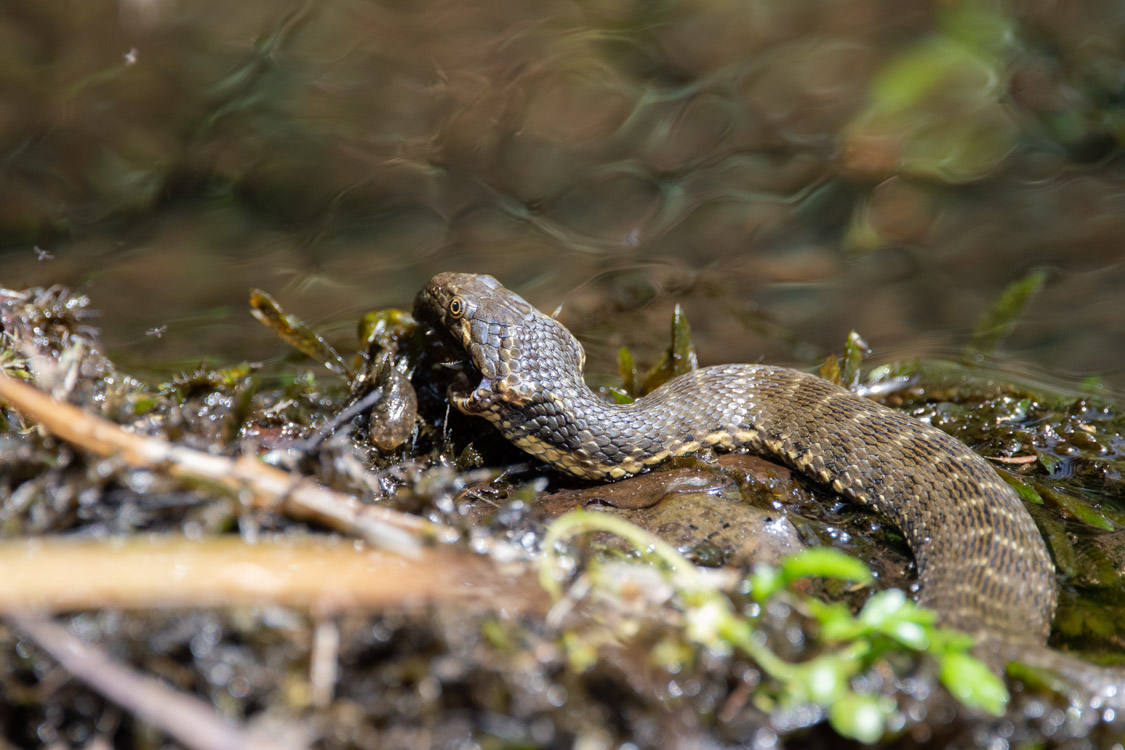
(450, 358)
(462, 385)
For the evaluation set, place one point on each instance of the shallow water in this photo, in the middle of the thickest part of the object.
(787, 171)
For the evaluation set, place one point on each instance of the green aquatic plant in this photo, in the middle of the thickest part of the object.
(846, 646)
(679, 358)
(848, 372)
(995, 323)
(295, 332)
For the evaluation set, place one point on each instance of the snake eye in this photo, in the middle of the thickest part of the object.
(456, 307)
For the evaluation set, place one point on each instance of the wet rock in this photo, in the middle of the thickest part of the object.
(717, 513)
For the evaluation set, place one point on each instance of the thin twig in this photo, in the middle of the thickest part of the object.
(188, 719)
(300, 497)
(310, 443)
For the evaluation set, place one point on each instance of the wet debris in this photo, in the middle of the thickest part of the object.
(267, 461)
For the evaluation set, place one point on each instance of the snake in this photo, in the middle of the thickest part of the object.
(982, 564)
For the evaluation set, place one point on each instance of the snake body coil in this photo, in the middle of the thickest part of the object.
(982, 564)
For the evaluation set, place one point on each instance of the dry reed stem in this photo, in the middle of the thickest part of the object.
(317, 574)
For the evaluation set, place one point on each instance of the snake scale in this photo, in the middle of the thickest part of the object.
(982, 563)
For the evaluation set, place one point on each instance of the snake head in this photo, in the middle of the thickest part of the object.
(468, 305)
(517, 350)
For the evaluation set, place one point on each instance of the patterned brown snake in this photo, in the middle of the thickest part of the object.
(982, 564)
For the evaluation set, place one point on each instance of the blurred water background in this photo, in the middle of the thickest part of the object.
(787, 170)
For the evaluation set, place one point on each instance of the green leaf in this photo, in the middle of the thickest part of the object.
(860, 717)
(295, 332)
(973, 683)
(384, 328)
(620, 395)
(910, 634)
(999, 319)
(1026, 492)
(892, 614)
(708, 622)
(679, 358)
(627, 369)
(1050, 463)
(836, 620)
(824, 562)
(1039, 679)
(824, 679)
(947, 640)
(883, 606)
(854, 351)
(765, 581)
(144, 405)
(1075, 506)
(684, 359)
(830, 370)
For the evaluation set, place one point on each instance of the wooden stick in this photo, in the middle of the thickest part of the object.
(319, 574)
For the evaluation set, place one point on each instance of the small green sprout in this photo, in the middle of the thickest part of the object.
(679, 358)
(847, 375)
